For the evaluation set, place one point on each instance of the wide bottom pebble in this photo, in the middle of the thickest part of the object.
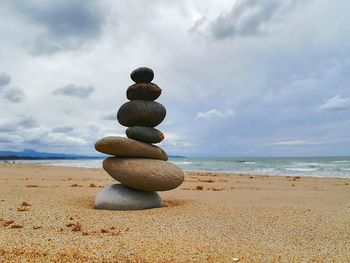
(121, 197)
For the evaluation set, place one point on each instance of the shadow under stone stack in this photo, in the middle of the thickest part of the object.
(140, 167)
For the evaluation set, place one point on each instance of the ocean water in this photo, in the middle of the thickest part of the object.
(301, 166)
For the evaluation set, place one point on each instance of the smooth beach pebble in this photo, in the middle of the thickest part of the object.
(141, 113)
(144, 134)
(124, 147)
(142, 75)
(121, 197)
(144, 174)
(143, 91)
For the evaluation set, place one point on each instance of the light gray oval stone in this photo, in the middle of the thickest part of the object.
(121, 197)
(144, 174)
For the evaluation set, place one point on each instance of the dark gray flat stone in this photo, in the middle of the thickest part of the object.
(145, 134)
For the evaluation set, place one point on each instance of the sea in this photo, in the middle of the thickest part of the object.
(293, 166)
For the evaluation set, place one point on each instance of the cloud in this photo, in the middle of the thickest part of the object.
(336, 103)
(22, 121)
(4, 139)
(7, 127)
(196, 28)
(9, 93)
(25, 132)
(110, 116)
(43, 139)
(5, 79)
(63, 129)
(247, 17)
(27, 122)
(215, 114)
(295, 142)
(174, 140)
(72, 90)
(14, 95)
(63, 25)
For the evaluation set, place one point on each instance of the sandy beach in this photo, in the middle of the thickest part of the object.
(46, 215)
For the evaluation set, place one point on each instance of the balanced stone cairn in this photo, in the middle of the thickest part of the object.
(140, 167)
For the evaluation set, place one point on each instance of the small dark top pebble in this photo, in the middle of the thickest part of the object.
(142, 75)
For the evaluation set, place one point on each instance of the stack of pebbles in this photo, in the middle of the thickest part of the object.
(140, 167)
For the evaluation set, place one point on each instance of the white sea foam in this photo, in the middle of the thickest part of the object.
(302, 169)
(324, 167)
(304, 163)
(186, 163)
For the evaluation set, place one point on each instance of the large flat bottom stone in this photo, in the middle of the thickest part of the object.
(121, 197)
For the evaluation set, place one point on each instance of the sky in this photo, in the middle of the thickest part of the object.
(239, 78)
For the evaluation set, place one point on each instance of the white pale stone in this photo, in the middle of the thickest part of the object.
(121, 197)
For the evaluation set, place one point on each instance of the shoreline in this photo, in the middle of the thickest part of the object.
(46, 214)
(331, 167)
(194, 171)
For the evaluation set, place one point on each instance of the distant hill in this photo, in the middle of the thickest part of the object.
(177, 156)
(29, 154)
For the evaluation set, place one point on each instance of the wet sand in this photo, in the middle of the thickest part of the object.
(46, 215)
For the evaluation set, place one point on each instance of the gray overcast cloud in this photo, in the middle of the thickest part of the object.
(63, 129)
(74, 91)
(245, 18)
(60, 25)
(5, 79)
(239, 78)
(14, 95)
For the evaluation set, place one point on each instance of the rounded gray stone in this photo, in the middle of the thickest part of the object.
(144, 134)
(141, 113)
(121, 197)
